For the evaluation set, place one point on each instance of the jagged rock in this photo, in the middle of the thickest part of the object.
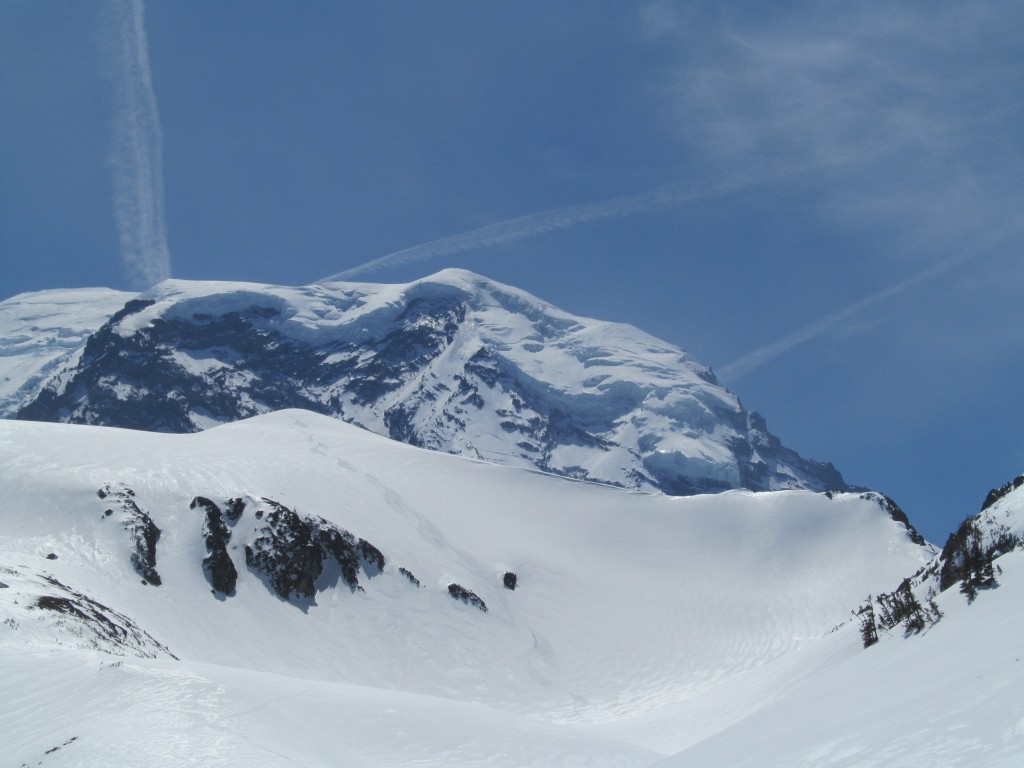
(143, 532)
(286, 553)
(233, 509)
(510, 580)
(217, 565)
(371, 558)
(997, 493)
(291, 552)
(144, 537)
(408, 574)
(459, 592)
(343, 547)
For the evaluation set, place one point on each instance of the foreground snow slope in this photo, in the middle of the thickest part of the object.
(950, 697)
(640, 624)
(942, 691)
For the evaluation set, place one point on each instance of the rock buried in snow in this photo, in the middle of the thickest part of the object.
(459, 592)
(142, 531)
(409, 575)
(84, 621)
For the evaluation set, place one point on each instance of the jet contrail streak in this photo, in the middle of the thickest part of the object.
(539, 223)
(752, 360)
(137, 154)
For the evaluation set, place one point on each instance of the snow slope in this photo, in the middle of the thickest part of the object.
(945, 692)
(41, 331)
(949, 697)
(453, 362)
(641, 625)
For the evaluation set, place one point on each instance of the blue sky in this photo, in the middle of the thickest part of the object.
(822, 201)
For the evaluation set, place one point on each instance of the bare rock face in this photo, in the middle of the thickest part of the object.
(295, 556)
(292, 551)
(467, 596)
(217, 565)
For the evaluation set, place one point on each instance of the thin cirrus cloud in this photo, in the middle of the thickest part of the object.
(541, 222)
(756, 174)
(137, 152)
(923, 98)
(830, 322)
(926, 94)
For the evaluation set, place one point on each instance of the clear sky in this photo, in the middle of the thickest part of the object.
(822, 201)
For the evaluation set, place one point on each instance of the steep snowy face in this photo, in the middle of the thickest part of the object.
(454, 362)
(40, 332)
(970, 560)
(969, 555)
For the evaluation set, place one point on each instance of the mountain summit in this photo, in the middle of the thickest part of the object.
(453, 362)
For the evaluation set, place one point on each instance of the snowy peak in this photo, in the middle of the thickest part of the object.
(453, 362)
(43, 330)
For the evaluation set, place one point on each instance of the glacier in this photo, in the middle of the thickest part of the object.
(453, 362)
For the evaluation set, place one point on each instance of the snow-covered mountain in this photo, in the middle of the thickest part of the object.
(454, 362)
(291, 589)
(40, 331)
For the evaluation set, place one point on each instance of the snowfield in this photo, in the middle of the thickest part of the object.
(643, 629)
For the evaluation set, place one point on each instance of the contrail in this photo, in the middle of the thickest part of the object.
(753, 360)
(137, 154)
(539, 223)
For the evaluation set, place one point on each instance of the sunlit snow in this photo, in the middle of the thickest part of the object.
(707, 630)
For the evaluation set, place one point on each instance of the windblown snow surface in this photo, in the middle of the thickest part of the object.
(643, 629)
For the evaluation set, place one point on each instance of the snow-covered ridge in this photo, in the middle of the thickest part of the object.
(629, 611)
(969, 561)
(41, 331)
(453, 362)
